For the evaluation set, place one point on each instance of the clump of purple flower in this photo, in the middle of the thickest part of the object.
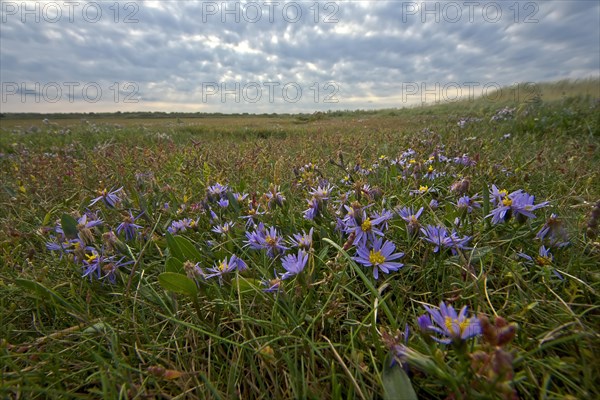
(445, 322)
(109, 197)
(380, 256)
(440, 238)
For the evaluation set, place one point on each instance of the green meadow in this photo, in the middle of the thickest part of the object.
(118, 231)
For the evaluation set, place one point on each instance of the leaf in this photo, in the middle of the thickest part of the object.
(182, 249)
(99, 327)
(9, 191)
(486, 203)
(246, 285)
(396, 384)
(478, 253)
(41, 292)
(171, 374)
(174, 265)
(233, 202)
(69, 226)
(178, 283)
(47, 217)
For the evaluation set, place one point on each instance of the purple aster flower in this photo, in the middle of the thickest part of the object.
(110, 198)
(84, 226)
(302, 240)
(518, 204)
(366, 189)
(53, 246)
(364, 230)
(553, 232)
(274, 197)
(431, 173)
(434, 204)
(379, 257)
(88, 220)
(421, 190)
(111, 266)
(78, 249)
(424, 322)
(239, 264)
(342, 201)
(96, 264)
(294, 264)
(523, 207)
(435, 235)
(267, 239)
(251, 214)
(383, 217)
(321, 193)
(464, 160)
(223, 203)
(256, 238)
(223, 267)
(408, 153)
(273, 242)
(468, 203)
(313, 209)
(272, 285)
(543, 259)
(439, 237)
(93, 264)
(212, 216)
(411, 218)
(223, 229)
(240, 197)
(346, 180)
(128, 226)
(193, 271)
(497, 195)
(182, 225)
(65, 246)
(451, 326)
(216, 191)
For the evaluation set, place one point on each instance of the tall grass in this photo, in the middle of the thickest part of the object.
(320, 336)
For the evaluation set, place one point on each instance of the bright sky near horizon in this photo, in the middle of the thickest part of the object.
(284, 56)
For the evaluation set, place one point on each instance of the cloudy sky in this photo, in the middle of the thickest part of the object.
(284, 56)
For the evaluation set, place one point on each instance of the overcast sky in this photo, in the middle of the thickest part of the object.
(283, 56)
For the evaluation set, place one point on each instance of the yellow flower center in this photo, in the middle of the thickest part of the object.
(366, 225)
(430, 169)
(503, 192)
(91, 257)
(542, 260)
(222, 266)
(376, 258)
(507, 202)
(462, 326)
(275, 281)
(423, 189)
(271, 241)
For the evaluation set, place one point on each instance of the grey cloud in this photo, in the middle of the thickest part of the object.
(373, 49)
